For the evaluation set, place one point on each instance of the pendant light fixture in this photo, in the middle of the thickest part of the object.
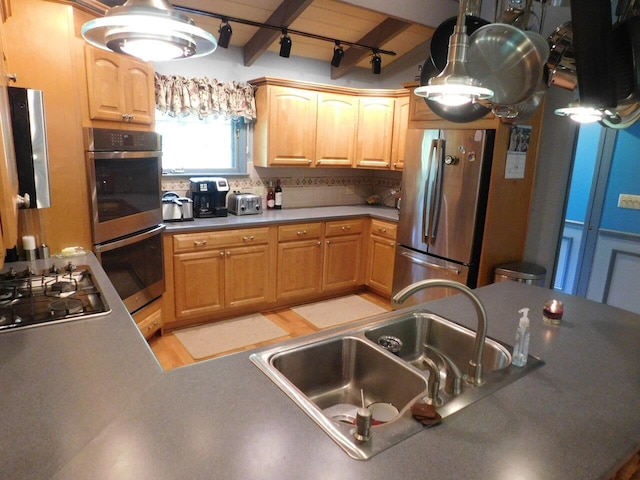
(454, 86)
(149, 29)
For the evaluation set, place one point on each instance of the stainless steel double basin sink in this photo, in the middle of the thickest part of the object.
(330, 375)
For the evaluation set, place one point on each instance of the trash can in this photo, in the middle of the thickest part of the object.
(523, 272)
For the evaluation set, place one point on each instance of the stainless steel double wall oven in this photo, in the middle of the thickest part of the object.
(124, 172)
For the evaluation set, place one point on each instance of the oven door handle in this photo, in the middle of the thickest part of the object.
(123, 242)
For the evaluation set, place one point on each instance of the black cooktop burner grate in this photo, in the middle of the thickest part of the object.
(29, 298)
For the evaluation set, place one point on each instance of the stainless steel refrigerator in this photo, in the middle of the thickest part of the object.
(445, 183)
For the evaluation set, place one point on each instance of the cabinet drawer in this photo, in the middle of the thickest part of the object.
(299, 231)
(228, 238)
(343, 227)
(384, 229)
(150, 324)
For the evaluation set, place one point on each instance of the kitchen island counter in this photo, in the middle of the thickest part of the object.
(86, 399)
(287, 215)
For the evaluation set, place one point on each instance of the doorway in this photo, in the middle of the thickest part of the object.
(599, 251)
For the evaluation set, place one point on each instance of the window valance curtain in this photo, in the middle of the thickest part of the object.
(181, 96)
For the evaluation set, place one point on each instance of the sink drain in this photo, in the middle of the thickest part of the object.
(390, 343)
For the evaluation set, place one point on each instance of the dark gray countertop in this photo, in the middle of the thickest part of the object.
(287, 215)
(86, 399)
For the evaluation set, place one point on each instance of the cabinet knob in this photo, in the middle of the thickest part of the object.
(301, 232)
(222, 254)
(309, 162)
(346, 227)
(12, 77)
(320, 243)
(383, 230)
(228, 253)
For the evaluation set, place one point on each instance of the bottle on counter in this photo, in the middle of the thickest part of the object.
(521, 346)
(278, 195)
(271, 197)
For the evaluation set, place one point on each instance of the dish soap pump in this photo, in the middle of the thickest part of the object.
(521, 347)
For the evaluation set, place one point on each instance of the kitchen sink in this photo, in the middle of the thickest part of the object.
(329, 375)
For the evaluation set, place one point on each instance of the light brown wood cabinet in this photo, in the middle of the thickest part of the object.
(119, 88)
(213, 271)
(149, 318)
(375, 128)
(299, 260)
(400, 124)
(342, 265)
(287, 126)
(336, 130)
(381, 257)
(212, 275)
(315, 125)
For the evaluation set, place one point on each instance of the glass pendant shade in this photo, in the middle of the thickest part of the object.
(149, 29)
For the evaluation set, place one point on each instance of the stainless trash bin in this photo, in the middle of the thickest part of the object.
(523, 272)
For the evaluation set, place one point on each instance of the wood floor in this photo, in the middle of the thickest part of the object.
(171, 354)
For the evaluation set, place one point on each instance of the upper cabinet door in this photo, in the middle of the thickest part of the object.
(292, 126)
(400, 125)
(139, 92)
(104, 81)
(337, 123)
(375, 127)
(120, 89)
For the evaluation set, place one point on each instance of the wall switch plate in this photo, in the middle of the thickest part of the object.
(629, 201)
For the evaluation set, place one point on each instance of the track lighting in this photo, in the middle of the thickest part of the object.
(148, 29)
(338, 53)
(225, 32)
(376, 63)
(285, 44)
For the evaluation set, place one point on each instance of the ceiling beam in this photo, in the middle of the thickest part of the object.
(380, 35)
(284, 15)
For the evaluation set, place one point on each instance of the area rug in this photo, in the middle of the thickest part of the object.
(329, 313)
(215, 338)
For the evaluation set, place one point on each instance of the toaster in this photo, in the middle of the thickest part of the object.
(244, 203)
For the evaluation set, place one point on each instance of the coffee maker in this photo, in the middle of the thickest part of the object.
(209, 196)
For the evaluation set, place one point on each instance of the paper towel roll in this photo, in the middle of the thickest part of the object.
(29, 242)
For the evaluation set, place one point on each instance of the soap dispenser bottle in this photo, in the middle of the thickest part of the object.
(521, 347)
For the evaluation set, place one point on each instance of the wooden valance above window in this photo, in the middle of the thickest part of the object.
(181, 96)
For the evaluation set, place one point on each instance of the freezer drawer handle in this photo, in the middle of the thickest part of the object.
(430, 265)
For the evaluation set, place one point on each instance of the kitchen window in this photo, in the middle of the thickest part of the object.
(209, 146)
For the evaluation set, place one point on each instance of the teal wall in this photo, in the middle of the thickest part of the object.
(624, 177)
(582, 174)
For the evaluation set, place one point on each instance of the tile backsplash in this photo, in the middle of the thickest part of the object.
(303, 187)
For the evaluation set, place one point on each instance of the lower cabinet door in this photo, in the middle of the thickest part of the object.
(342, 262)
(380, 264)
(198, 282)
(246, 272)
(299, 268)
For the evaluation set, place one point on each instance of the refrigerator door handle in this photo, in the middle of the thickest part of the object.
(427, 215)
(429, 264)
(437, 197)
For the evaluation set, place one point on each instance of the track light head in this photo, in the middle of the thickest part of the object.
(376, 63)
(225, 32)
(338, 53)
(285, 44)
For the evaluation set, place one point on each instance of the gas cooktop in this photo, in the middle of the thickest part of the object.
(29, 298)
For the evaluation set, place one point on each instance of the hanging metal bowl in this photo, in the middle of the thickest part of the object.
(507, 60)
